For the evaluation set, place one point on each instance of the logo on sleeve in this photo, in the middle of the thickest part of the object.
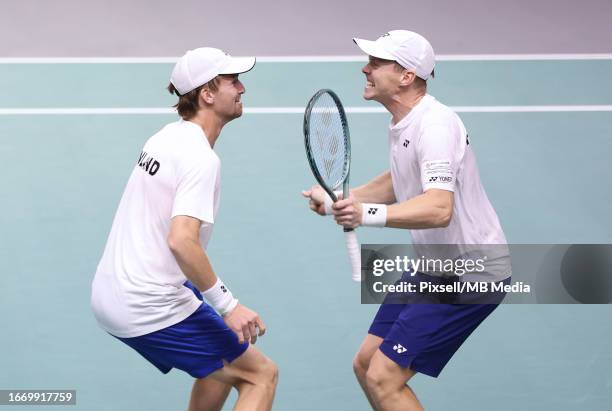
(406, 142)
(440, 179)
(148, 163)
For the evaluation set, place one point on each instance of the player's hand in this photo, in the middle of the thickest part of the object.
(347, 213)
(317, 197)
(245, 323)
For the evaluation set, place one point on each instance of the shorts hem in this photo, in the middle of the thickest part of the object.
(237, 354)
(377, 333)
(203, 373)
(409, 363)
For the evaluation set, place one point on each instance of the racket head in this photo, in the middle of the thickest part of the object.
(327, 141)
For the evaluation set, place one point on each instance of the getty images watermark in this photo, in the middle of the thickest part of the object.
(486, 274)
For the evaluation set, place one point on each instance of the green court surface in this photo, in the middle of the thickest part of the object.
(547, 175)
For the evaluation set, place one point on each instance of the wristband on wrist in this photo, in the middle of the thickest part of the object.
(328, 202)
(220, 298)
(373, 215)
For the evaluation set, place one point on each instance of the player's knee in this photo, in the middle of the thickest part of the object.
(360, 365)
(376, 382)
(267, 374)
(260, 374)
(272, 373)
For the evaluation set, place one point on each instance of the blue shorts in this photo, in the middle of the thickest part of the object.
(197, 345)
(424, 337)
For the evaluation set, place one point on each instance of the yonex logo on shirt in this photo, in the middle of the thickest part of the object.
(399, 349)
(443, 179)
(406, 142)
(223, 289)
(372, 210)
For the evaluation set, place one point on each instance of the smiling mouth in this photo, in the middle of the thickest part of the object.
(369, 84)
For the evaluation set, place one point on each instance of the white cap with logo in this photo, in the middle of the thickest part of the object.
(411, 50)
(199, 66)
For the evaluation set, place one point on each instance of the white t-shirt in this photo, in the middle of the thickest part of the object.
(429, 148)
(138, 286)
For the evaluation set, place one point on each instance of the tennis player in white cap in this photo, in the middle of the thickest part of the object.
(146, 291)
(433, 189)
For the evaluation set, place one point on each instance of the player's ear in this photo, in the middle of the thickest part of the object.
(407, 77)
(207, 95)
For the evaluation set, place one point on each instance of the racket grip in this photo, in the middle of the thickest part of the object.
(354, 253)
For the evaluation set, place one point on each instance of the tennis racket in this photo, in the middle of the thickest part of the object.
(328, 148)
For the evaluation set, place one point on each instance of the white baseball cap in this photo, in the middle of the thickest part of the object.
(199, 66)
(411, 50)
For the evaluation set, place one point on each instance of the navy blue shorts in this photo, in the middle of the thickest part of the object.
(197, 345)
(424, 337)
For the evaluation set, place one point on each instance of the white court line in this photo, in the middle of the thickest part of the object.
(441, 57)
(529, 109)
(300, 59)
(93, 110)
(300, 110)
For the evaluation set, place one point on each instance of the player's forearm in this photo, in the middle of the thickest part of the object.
(378, 190)
(423, 211)
(193, 262)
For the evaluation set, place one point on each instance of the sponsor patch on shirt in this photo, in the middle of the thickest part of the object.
(437, 171)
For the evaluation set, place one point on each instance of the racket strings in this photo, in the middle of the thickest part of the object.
(328, 142)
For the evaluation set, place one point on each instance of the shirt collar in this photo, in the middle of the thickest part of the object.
(195, 126)
(408, 118)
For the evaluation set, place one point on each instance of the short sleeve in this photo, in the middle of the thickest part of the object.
(438, 153)
(195, 191)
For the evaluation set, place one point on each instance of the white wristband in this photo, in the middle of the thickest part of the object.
(373, 215)
(220, 298)
(328, 202)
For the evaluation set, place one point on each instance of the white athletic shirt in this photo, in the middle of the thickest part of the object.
(138, 286)
(429, 148)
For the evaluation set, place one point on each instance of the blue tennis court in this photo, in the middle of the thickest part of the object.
(70, 137)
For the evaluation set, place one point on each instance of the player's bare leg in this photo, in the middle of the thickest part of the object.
(386, 382)
(254, 376)
(208, 394)
(361, 362)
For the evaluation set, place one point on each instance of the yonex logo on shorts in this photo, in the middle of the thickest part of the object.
(372, 210)
(433, 179)
(399, 349)
(406, 142)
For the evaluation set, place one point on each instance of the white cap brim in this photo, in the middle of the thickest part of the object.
(238, 65)
(373, 49)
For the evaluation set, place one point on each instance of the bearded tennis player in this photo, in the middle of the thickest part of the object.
(150, 284)
(434, 190)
